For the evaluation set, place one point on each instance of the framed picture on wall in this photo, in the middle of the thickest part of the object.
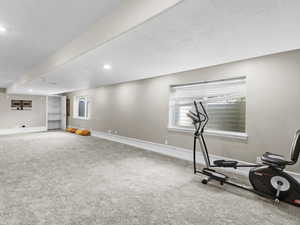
(15, 105)
(21, 104)
(27, 104)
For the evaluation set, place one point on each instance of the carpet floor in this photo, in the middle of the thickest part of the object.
(63, 179)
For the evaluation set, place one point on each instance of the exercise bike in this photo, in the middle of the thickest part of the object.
(267, 177)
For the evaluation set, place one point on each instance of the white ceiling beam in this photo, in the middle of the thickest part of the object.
(130, 14)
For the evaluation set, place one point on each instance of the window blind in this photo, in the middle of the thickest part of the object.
(225, 102)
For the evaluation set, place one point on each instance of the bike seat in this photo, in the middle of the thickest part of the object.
(274, 159)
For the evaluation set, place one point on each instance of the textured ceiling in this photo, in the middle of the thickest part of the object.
(194, 34)
(36, 29)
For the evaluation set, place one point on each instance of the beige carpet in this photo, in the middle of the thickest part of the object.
(63, 179)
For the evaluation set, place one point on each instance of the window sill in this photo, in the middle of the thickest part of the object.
(223, 134)
(80, 118)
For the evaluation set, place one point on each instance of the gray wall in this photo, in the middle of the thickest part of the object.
(139, 109)
(10, 119)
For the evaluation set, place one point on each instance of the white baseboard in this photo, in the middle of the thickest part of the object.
(169, 150)
(22, 130)
(173, 151)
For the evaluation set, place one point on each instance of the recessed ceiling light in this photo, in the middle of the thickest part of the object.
(2, 29)
(107, 67)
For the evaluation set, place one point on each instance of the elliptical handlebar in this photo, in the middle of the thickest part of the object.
(204, 114)
(199, 119)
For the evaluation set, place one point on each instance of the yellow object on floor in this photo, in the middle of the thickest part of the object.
(83, 132)
(78, 132)
(71, 130)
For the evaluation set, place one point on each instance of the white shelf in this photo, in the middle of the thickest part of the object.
(56, 112)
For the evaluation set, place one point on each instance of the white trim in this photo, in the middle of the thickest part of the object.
(22, 130)
(169, 150)
(173, 151)
(63, 112)
(232, 79)
(47, 108)
(80, 118)
(227, 134)
(217, 133)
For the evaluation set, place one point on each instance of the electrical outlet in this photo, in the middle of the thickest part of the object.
(166, 141)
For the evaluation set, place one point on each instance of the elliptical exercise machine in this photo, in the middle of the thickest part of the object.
(267, 178)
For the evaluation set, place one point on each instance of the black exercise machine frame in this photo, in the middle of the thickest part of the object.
(199, 134)
(200, 120)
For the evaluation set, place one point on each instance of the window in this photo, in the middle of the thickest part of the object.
(81, 107)
(225, 102)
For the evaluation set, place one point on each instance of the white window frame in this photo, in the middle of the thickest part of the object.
(219, 133)
(76, 109)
